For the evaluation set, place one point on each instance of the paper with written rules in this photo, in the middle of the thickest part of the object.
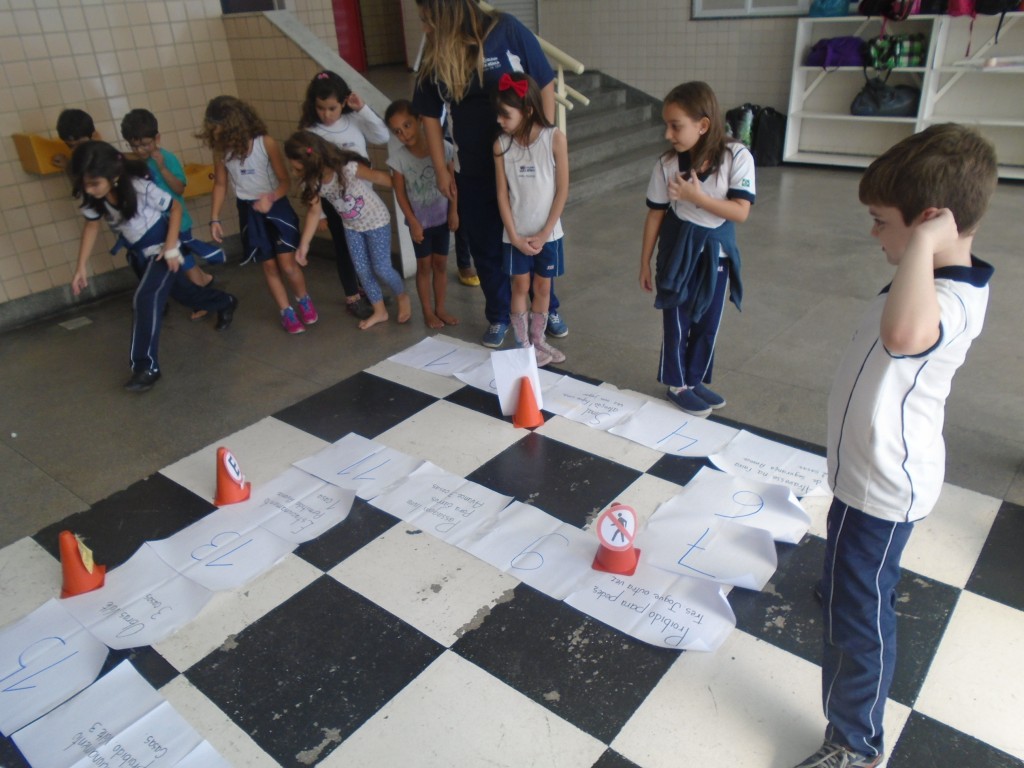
(143, 602)
(434, 355)
(769, 506)
(692, 541)
(657, 607)
(511, 366)
(443, 504)
(47, 657)
(758, 458)
(569, 394)
(528, 543)
(605, 408)
(120, 721)
(361, 465)
(671, 431)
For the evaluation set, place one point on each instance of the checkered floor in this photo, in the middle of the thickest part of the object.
(377, 645)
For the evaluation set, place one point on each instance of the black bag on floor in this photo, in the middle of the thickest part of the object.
(769, 137)
(739, 123)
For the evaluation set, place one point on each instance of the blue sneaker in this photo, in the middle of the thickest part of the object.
(689, 401)
(556, 326)
(495, 335)
(713, 399)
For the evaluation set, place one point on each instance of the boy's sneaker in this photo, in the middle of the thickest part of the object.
(307, 312)
(290, 322)
(556, 326)
(688, 400)
(713, 399)
(495, 335)
(832, 755)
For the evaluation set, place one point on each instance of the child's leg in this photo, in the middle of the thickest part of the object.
(862, 569)
(424, 280)
(539, 321)
(197, 276)
(675, 322)
(148, 311)
(541, 294)
(360, 253)
(700, 347)
(379, 244)
(439, 266)
(292, 273)
(272, 274)
(342, 259)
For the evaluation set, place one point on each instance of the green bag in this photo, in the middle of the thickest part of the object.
(891, 51)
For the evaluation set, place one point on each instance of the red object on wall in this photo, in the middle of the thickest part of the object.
(348, 26)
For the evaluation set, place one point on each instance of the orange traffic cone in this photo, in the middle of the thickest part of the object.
(527, 414)
(81, 574)
(232, 487)
(616, 529)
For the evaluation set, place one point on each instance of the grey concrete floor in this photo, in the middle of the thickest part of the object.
(70, 435)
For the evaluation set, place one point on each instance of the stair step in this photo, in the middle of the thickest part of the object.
(599, 178)
(584, 122)
(610, 145)
(604, 97)
(588, 81)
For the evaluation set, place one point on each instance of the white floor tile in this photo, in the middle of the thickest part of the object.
(455, 438)
(29, 576)
(435, 587)
(977, 677)
(430, 383)
(263, 450)
(455, 714)
(229, 612)
(595, 441)
(748, 705)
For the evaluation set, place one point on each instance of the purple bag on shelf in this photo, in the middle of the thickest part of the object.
(837, 52)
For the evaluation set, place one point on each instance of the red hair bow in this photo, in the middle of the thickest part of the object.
(519, 86)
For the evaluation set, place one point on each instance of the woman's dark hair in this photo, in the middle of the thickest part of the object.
(316, 155)
(99, 160)
(324, 85)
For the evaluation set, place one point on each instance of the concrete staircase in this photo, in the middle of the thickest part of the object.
(614, 140)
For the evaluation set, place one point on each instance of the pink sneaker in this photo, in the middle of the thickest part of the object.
(307, 312)
(290, 322)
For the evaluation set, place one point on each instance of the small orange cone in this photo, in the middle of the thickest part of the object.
(232, 487)
(527, 414)
(616, 528)
(81, 574)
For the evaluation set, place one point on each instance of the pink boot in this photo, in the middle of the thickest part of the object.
(538, 322)
(521, 329)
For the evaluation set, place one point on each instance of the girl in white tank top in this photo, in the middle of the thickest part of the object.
(531, 162)
(243, 151)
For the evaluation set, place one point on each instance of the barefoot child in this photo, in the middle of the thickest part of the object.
(427, 211)
(344, 179)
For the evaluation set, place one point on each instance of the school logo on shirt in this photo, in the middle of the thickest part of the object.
(526, 170)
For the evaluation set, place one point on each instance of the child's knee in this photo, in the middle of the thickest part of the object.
(439, 263)
(423, 266)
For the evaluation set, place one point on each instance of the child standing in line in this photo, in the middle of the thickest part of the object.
(344, 180)
(531, 163)
(427, 211)
(149, 220)
(140, 129)
(243, 151)
(74, 127)
(334, 112)
(699, 189)
(886, 455)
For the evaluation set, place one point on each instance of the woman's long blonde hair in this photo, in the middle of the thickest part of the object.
(455, 43)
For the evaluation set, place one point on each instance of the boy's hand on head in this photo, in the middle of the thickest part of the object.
(938, 229)
(355, 102)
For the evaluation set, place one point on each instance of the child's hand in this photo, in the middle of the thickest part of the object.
(264, 203)
(416, 231)
(938, 230)
(172, 257)
(355, 102)
(522, 244)
(157, 157)
(217, 231)
(686, 189)
(645, 278)
(453, 218)
(537, 242)
(79, 282)
(302, 254)
(321, 226)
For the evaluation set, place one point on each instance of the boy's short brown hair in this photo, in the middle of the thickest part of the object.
(944, 166)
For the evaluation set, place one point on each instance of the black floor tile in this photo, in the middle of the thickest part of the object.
(564, 481)
(612, 759)
(153, 667)
(305, 676)
(677, 469)
(583, 671)
(787, 615)
(363, 403)
(10, 755)
(363, 524)
(479, 401)
(999, 572)
(926, 742)
(115, 527)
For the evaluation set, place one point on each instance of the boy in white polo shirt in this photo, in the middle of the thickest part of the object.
(886, 456)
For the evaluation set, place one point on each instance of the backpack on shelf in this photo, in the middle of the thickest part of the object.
(994, 7)
(897, 10)
(831, 52)
(761, 129)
